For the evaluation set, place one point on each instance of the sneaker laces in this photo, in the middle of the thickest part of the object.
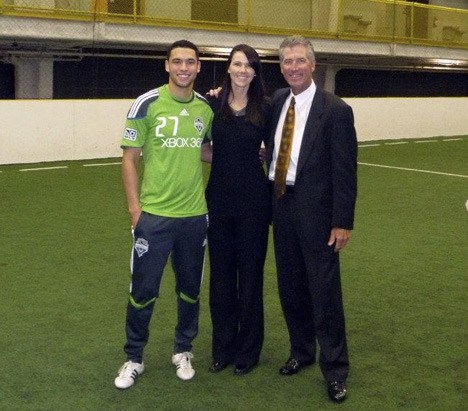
(127, 370)
(184, 362)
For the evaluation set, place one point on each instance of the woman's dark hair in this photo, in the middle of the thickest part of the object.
(255, 110)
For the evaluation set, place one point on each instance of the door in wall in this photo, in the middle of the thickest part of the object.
(418, 24)
(124, 6)
(215, 10)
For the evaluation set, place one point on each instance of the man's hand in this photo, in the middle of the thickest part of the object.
(130, 160)
(135, 216)
(262, 154)
(339, 237)
(207, 152)
(214, 92)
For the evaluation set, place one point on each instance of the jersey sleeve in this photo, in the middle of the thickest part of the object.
(134, 134)
(136, 125)
(207, 138)
(208, 101)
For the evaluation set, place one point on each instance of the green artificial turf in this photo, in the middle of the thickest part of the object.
(64, 267)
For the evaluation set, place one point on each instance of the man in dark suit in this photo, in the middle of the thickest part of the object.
(313, 214)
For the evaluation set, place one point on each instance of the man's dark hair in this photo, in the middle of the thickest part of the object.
(183, 44)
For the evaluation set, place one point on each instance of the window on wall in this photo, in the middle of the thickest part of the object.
(7, 85)
(215, 10)
(124, 6)
(94, 77)
(394, 83)
(417, 21)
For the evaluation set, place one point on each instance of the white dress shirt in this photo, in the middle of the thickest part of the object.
(302, 109)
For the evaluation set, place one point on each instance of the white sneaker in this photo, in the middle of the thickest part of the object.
(183, 365)
(128, 374)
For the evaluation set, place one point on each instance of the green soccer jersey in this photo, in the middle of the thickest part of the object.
(170, 133)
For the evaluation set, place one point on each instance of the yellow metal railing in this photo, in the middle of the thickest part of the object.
(368, 20)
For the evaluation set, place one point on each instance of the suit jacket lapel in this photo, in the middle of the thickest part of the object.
(311, 129)
(275, 115)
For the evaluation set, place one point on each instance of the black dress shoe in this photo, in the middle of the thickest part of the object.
(293, 365)
(337, 390)
(241, 369)
(218, 366)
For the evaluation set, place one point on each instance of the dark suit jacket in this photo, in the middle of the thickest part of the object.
(325, 189)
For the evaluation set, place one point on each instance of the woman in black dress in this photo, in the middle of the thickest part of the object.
(238, 198)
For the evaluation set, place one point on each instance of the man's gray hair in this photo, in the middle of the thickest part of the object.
(292, 41)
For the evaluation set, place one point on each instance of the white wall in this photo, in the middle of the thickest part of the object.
(52, 130)
(394, 118)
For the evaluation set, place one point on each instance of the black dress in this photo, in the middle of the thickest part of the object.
(238, 197)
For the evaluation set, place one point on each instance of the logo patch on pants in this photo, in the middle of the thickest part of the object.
(141, 246)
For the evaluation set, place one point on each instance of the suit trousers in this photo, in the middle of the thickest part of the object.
(237, 248)
(310, 291)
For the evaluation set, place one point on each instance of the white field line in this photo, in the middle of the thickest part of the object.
(360, 145)
(63, 167)
(101, 164)
(396, 143)
(414, 141)
(413, 169)
(43, 168)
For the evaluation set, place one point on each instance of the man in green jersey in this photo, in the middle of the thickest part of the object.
(168, 213)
